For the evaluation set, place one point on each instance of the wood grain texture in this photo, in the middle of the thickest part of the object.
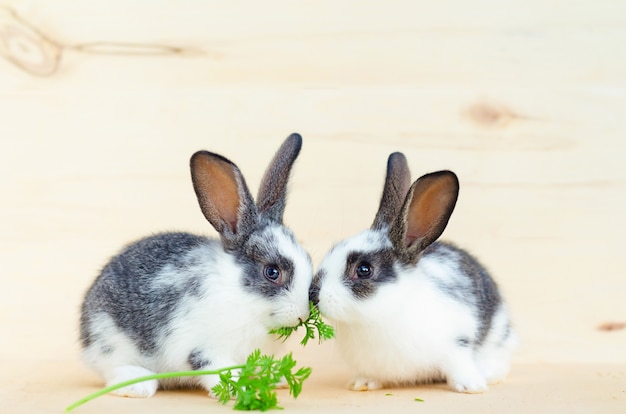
(524, 100)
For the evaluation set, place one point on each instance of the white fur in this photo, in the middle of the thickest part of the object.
(494, 356)
(143, 389)
(226, 322)
(407, 331)
(292, 306)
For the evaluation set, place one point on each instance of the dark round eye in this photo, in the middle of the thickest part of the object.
(364, 270)
(271, 273)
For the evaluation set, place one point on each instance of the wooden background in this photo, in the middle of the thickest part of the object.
(525, 100)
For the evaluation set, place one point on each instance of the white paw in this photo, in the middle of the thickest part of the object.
(143, 389)
(214, 396)
(210, 381)
(470, 384)
(364, 384)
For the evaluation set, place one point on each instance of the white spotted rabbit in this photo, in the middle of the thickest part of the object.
(177, 301)
(408, 309)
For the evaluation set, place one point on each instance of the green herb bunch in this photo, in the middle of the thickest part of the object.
(253, 388)
(312, 324)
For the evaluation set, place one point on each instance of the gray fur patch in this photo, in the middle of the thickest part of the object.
(474, 286)
(397, 184)
(506, 334)
(197, 360)
(261, 250)
(107, 349)
(382, 271)
(463, 342)
(125, 291)
(314, 291)
(272, 193)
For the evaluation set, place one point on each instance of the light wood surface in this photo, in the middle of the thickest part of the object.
(525, 100)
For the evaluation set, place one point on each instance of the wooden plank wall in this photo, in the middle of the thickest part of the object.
(525, 100)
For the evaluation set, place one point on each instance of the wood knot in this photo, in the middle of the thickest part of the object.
(490, 115)
(612, 326)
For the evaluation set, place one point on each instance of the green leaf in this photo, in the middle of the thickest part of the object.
(313, 323)
(253, 389)
(419, 399)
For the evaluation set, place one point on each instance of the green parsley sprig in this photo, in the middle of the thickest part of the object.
(253, 387)
(313, 323)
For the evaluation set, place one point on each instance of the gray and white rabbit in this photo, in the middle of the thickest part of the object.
(178, 301)
(408, 309)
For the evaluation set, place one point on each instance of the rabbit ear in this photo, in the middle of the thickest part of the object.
(397, 185)
(273, 189)
(428, 206)
(223, 196)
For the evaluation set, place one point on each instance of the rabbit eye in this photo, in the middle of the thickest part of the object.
(364, 270)
(271, 273)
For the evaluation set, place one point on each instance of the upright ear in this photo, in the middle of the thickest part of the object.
(427, 208)
(397, 183)
(223, 196)
(273, 189)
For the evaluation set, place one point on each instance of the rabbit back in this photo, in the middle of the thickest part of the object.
(140, 288)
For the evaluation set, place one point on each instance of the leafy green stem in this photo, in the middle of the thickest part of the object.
(312, 324)
(253, 387)
(160, 376)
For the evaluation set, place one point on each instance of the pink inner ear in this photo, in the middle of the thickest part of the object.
(419, 221)
(225, 196)
(218, 186)
(428, 209)
(410, 238)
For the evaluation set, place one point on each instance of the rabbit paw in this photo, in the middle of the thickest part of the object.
(463, 375)
(470, 384)
(210, 381)
(364, 384)
(143, 389)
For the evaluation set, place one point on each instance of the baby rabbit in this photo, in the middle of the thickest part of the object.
(408, 309)
(177, 301)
